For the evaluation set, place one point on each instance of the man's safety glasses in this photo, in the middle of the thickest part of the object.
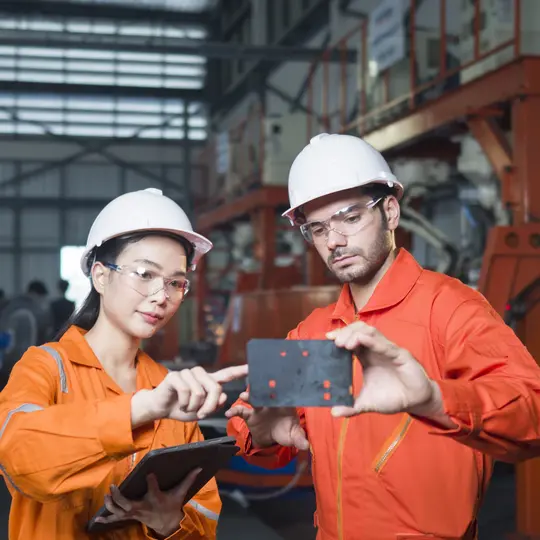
(347, 222)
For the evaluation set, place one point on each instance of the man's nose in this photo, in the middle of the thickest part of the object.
(335, 240)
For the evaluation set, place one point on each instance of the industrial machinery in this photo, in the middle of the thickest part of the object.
(23, 323)
(469, 100)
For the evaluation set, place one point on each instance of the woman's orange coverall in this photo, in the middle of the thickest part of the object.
(66, 436)
(386, 477)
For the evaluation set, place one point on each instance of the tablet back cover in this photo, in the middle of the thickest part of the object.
(171, 465)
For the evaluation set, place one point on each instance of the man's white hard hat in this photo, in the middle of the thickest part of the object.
(138, 211)
(331, 163)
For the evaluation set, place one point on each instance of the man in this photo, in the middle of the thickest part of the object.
(442, 386)
(61, 308)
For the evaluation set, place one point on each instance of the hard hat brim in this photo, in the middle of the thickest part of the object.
(201, 244)
(289, 214)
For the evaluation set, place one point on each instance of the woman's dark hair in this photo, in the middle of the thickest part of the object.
(86, 316)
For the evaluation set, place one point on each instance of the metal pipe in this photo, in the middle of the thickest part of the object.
(386, 85)
(310, 107)
(343, 94)
(364, 66)
(412, 54)
(262, 140)
(476, 26)
(443, 38)
(517, 28)
(325, 92)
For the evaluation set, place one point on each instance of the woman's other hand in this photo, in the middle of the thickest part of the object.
(160, 511)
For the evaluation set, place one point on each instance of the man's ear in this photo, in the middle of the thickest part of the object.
(100, 276)
(393, 212)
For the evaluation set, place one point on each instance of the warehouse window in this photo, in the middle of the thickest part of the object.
(79, 66)
(60, 53)
(100, 116)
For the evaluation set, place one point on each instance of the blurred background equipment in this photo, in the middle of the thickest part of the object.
(210, 100)
(24, 322)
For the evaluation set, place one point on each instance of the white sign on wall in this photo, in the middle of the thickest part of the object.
(386, 33)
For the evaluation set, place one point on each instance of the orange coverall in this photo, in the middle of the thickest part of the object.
(66, 436)
(386, 477)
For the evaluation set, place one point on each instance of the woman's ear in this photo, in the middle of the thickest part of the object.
(100, 277)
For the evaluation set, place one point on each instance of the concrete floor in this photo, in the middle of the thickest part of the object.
(292, 519)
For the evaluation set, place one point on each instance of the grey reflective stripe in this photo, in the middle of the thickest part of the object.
(204, 511)
(26, 407)
(56, 355)
(8, 478)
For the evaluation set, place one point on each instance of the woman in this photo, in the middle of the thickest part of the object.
(78, 414)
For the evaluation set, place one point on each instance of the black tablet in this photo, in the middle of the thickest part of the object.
(299, 373)
(171, 465)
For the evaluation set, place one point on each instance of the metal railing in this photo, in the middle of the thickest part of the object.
(366, 117)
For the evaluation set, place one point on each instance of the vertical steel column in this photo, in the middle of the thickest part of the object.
(265, 230)
(63, 221)
(476, 29)
(517, 28)
(343, 93)
(442, 67)
(412, 54)
(526, 130)
(17, 236)
(201, 294)
(186, 187)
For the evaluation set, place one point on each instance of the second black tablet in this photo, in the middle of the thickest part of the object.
(171, 465)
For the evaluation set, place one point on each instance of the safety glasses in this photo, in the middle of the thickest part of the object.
(347, 222)
(148, 282)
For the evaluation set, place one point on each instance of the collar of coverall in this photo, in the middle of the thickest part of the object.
(394, 286)
(78, 351)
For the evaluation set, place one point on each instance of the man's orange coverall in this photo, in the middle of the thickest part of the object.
(386, 477)
(66, 436)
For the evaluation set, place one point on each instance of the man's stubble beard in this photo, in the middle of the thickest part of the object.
(372, 260)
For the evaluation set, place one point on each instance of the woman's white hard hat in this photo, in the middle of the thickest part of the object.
(138, 211)
(331, 163)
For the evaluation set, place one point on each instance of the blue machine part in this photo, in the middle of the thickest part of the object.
(5, 340)
(239, 464)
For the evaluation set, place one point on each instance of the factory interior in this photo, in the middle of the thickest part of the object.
(210, 101)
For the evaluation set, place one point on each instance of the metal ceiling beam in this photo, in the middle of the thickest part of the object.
(297, 101)
(291, 101)
(140, 170)
(75, 10)
(25, 87)
(224, 51)
(303, 30)
(87, 148)
(71, 203)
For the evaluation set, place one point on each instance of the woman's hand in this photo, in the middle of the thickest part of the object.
(160, 511)
(187, 395)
